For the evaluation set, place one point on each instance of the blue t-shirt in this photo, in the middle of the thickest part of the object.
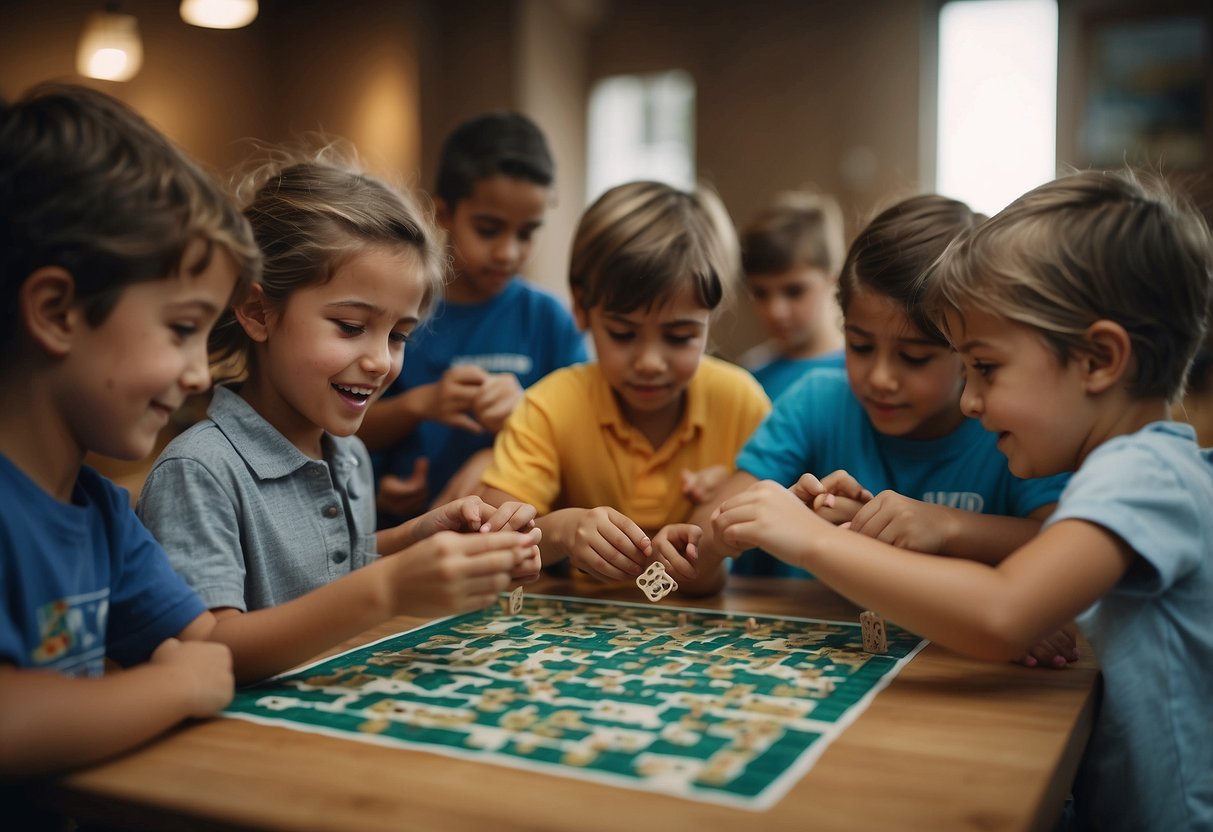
(523, 331)
(818, 427)
(1149, 763)
(780, 374)
(84, 580)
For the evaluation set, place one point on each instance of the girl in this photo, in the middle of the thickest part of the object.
(601, 449)
(267, 506)
(1078, 310)
(892, 419)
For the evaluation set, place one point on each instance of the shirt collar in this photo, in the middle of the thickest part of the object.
(610, 416)
(268, 453)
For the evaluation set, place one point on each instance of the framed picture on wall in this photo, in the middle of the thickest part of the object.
(1147, 90)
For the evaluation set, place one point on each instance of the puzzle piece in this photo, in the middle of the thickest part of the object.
(874, 638)
(655, 582)
(516, 601)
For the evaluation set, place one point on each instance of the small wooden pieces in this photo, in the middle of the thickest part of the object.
(874, 638)
(751, 625)
(655, 582)
(683, 619)
(516, 601)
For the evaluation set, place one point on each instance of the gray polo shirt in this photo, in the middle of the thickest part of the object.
(248, 519)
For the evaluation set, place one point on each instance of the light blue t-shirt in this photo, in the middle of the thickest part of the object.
(818, 427)
(1149, 763)
(778, 375)
(523, 330)
(83, 580)
(248, 519)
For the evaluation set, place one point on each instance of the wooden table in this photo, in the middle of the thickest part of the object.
(951, 744)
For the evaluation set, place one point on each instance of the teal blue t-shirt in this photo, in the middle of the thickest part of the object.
(818, 426)
(780, 374)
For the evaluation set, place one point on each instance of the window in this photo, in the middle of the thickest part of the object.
(997, 116)
(641, 127)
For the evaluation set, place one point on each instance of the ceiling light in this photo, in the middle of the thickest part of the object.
(219, 14)
(110, 48)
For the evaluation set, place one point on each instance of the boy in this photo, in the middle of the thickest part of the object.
(791, 253)
(492, 334)
(600, 449)
(116, 256)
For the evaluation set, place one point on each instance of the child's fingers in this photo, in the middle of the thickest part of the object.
(513, 515)
(806, 488)
(626, 536)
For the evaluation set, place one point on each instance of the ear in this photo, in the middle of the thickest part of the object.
(48, 309)
(1109, 356)
(252, 313)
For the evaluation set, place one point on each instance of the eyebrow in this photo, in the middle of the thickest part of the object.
(367, 306)
(616, 317)
(925, 342)
(968, 346)
(490, 217)
(200, 304)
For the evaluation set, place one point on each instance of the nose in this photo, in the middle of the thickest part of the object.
(196, 376)
(881, 375)
(507, 249)
(649, 359)
(970, 401)
(377, 361)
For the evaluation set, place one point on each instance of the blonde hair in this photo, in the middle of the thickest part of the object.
(1097, 245)
(310, 211)
(641, 242)
(796, 229)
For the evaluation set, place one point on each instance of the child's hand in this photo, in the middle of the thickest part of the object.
(1054, 651)
(454, 395)
(903, 522)
(676, 545)
(205, 668)
(404, 497)
(450, 573)
(609, 546)
(519, 517)
(699, 486)
(498, 397)
(527, 572)
(467, 514)
(836, 498)
(768, 516)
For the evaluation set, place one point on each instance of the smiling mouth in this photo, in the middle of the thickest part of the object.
(358, 394)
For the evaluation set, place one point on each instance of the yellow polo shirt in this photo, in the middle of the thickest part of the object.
(568, 445)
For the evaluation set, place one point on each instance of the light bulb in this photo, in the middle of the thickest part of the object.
(110, 48)
(219, 14)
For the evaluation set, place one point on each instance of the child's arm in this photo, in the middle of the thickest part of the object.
(710, 568)
(448, 400)
(443, 574)
(465, 481)
(50, 722)
(496, 400)
(988, 612)
(924, 527)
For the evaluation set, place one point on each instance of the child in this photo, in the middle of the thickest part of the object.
(892, 419)
(1077, 310)
(791, 253)
(116, 255)
(266, 507)
(600, 449)
(491, 335)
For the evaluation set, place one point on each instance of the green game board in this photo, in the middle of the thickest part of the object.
(612, 692)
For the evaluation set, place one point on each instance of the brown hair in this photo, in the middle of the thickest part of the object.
(311, 210)
(641, 242)
(1096, 245)
(797, 228)
(88, 185)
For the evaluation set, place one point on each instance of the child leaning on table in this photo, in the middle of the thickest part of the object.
(267, 506)
(601, 449)
(116, 255)
(491, 333)
(1077, 310)
(890, 423)
(791, 253)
